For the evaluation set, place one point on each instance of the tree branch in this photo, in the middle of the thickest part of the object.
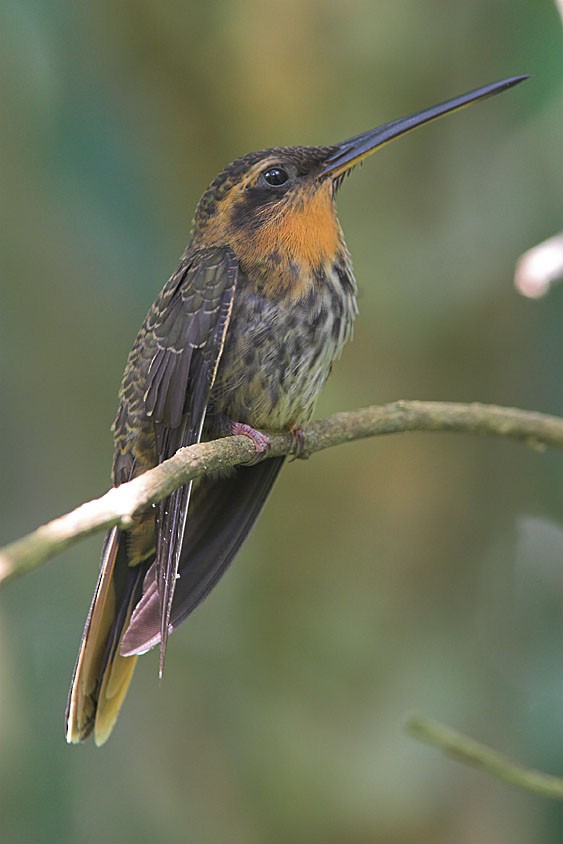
(120, 504)
(479, 755)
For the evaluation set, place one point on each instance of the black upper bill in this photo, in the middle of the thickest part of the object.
(352, 151)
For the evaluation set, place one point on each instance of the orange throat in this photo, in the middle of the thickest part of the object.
(296, 240)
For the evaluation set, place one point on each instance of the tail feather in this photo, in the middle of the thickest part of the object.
(115, 686)
(222, 512)
(125, 615)
(101, 675)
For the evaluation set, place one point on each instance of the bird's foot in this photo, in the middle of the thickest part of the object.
(299, 444)
(261, 441)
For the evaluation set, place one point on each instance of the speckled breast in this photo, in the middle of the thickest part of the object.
(279, 351)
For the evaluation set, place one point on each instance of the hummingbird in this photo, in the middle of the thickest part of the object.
(240, 341)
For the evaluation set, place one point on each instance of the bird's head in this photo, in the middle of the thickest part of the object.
(276, 207)
(277, 212)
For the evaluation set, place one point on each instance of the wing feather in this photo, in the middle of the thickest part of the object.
(222, 513)
(176, 354)
(189, 335)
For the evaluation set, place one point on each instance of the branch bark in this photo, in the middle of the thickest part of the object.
(120, 504)
(474, 753)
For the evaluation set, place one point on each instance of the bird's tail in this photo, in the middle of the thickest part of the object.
(222, 513)
(101, 675)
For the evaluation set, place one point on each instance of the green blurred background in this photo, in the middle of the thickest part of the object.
(412, 572)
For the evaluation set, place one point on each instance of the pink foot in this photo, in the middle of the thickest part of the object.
(298, 450)
(261, 441)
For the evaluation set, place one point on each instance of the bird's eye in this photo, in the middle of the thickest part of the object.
(275, 176)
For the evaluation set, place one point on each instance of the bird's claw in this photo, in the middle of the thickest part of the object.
(298, 444)
(261, 441)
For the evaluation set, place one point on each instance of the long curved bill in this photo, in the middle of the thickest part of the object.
(351, 152)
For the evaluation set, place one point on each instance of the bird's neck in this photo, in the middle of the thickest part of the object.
(296, 245)
(288, 247)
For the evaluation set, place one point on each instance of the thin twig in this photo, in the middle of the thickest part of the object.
(119, 505)
(474, 753)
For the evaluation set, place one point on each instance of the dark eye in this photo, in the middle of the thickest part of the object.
(275, 176)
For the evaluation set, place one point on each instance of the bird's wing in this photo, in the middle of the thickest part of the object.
(188, 335)
(222, 512)
(183, 337)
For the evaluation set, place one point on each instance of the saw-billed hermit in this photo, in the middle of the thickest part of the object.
(241, 340)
